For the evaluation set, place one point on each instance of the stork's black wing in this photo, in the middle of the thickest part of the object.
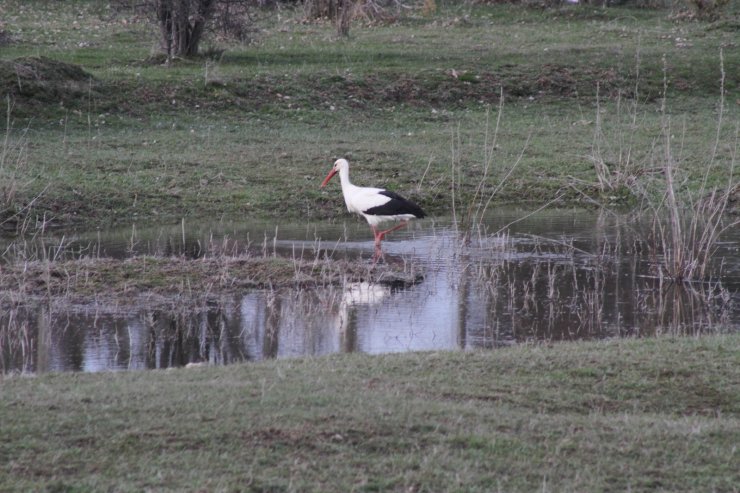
(397, 205)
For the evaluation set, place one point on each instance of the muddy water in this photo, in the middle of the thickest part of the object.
(555, 275)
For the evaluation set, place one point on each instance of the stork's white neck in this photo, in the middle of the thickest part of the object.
(348, 189)
(344, 176)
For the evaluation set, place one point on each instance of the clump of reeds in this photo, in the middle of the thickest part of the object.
(616, 171)
(679, 228)
(686, 227)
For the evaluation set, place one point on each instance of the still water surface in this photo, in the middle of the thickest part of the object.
(556, 275)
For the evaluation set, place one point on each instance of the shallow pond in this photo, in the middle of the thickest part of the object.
(550, 276)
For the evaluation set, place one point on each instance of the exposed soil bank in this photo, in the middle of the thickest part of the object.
(121, 281)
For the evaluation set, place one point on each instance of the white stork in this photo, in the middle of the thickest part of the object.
(376, 205)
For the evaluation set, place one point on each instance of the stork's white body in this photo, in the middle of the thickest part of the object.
(361, 199)
(376, 205)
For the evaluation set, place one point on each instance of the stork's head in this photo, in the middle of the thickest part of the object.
(339, 165)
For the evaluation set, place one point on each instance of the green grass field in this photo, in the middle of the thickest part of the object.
(252, 132)
(633, 415)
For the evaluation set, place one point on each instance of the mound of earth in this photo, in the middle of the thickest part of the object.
(32, 81)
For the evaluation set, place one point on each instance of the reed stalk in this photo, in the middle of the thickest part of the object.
(469, 210)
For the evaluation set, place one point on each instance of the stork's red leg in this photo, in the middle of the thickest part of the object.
(378, 254)
(397, 226)
(379, 235)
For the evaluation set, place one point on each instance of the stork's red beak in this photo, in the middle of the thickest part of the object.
(328, 177)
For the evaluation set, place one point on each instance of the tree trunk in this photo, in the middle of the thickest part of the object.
(346, 8)
(182, 23)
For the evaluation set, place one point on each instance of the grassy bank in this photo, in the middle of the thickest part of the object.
(253, 130)
(639, 415)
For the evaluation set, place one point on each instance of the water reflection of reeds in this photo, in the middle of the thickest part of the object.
(553, 291)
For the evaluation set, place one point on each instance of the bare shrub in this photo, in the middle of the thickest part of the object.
(708, 9)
